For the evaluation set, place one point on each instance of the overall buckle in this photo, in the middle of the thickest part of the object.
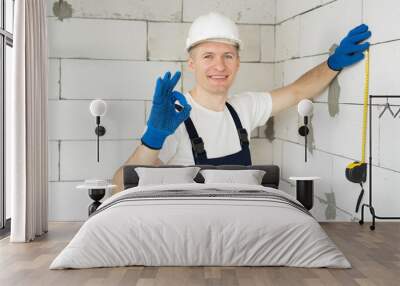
(197, 145)
(243, 136)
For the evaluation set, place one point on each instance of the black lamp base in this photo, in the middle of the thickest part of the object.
(305, 193)
(96, 195)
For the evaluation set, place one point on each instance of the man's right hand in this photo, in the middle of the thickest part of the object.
(350, 49)
(164, 119)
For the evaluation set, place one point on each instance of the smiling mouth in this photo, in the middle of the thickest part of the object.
(218, 77)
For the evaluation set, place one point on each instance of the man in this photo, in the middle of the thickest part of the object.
(216, 127)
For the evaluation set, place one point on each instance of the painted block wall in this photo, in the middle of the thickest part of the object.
(115, 50)
(305, 31)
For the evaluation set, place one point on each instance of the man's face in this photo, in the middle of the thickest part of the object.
(214, 65)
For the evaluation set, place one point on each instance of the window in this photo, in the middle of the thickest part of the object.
(6, 44)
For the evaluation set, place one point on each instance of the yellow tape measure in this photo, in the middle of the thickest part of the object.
(356, 172)
(365, 115)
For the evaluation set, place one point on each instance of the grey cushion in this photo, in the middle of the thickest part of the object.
(270, 179)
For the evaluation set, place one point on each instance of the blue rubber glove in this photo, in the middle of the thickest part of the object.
(164, 119)
(350, 50)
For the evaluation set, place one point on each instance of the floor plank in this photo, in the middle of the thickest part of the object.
(374, 255)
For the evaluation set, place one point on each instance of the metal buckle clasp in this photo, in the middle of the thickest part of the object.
(243, 136)
(198, 146)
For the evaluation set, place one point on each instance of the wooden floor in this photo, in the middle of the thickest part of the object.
(374, 255)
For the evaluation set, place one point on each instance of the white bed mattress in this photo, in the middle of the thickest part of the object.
(206, 230)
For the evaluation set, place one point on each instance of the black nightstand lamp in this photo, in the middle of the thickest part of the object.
(305, 109)
(305, 190)
(97, 190)
(98, 109)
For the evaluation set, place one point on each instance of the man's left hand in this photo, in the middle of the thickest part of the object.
(350, 49)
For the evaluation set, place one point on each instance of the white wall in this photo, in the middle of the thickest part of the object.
(305, 30)
(115, 50)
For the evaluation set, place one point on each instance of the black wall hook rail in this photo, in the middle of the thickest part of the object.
(370, 205)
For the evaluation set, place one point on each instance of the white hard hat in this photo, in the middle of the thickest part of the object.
(213, 27)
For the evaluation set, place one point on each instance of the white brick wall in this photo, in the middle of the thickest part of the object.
(90, 79)
(113, 154)
(251, 37)
(287, 39)
(250, 11)
(318, 38)
(54, 79)
(167, 41)
(384, 65)
(341, 134)
(66, 203)
(375, 12)
(97, 39)
(115, 50)
(261, 151)
(278, 75)
(153, 10)
(305, 31)
(71, 120)
(53, 161)
(286, 123)
(267, 43)
(286, 9)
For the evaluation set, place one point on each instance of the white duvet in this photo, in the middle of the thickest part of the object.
(200, 231)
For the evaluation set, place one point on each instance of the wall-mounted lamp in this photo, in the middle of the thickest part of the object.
(98, 108)
(305, 109)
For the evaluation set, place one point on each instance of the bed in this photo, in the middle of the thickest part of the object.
(201, 224)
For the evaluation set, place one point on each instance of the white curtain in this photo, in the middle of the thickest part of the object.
(26, 123)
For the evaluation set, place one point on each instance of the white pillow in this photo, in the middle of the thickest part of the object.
(163, 176)
(249, 177)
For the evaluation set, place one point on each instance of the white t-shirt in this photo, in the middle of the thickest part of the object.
(217, 128)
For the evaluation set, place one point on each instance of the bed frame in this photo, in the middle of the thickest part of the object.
(270, 179)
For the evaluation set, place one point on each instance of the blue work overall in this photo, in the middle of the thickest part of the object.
(241, 157)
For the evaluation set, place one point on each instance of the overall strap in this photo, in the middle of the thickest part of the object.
(243, 136)
(195, 140)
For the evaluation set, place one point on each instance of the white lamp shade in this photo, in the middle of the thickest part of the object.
(305, 107)
(98, 107)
